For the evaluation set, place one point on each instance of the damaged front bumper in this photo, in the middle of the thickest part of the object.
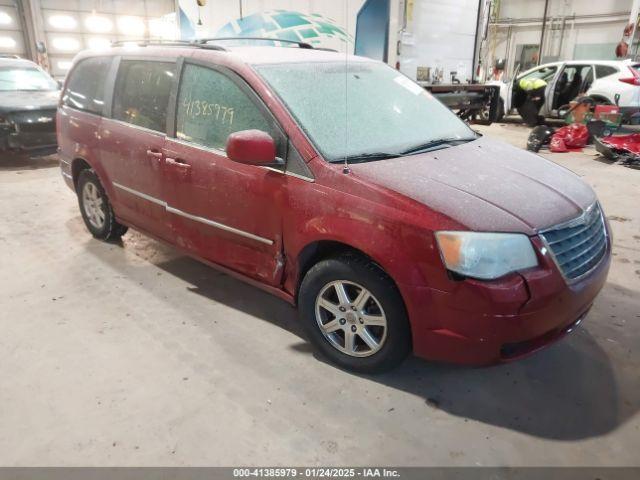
(29, 132)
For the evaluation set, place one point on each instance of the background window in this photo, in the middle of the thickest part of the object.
(85, 88)
(211, 107)
(142, 93)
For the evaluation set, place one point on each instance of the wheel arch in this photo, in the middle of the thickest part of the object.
(319, 250)
(78, 165)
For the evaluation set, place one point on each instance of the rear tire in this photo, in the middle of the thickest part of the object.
(96, 209)
(500, 112)
(354, 315)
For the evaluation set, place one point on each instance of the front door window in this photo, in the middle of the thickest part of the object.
(211, 106)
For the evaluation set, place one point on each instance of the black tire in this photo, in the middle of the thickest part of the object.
(353, 268)
(500, 111)
(110, 229)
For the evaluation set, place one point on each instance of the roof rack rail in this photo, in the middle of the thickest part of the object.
(166, 43)
(204, 41)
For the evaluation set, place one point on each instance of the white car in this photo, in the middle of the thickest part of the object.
(608, 82)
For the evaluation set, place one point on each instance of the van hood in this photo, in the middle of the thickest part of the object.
(486, 185)
(28, 100)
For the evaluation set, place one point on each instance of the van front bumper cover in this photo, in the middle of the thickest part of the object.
(483, 323)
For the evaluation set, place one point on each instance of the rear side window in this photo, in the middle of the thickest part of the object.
(211, 107)
(85, 87)
(142, 93)
(605, 70)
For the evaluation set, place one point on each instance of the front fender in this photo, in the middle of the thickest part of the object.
(397, 241)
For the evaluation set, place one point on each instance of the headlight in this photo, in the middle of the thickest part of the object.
(486, 255)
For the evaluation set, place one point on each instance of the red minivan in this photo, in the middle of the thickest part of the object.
(341, 186)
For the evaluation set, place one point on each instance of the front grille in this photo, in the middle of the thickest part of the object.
(37, 127)
(578, 245)
(35, 121)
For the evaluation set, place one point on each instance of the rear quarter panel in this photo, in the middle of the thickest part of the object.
(78, 138)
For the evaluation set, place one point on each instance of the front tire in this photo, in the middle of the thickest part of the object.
(500, 113)
(95, 208)
(354, 315)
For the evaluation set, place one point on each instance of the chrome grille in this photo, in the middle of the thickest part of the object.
(35, 121)
(578, 245)
(37, 127)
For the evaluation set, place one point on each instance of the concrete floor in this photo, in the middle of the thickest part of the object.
(134, 355)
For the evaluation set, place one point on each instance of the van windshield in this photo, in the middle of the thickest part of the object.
(29, 79)
(363, 109)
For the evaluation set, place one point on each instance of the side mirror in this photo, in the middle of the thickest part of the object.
(253, 147)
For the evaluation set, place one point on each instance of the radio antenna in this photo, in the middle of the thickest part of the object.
(345, 168)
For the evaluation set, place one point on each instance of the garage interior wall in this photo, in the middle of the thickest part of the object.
(575, 29)
(69, 26)
(428, 41)
(210, 19)
(12, 40)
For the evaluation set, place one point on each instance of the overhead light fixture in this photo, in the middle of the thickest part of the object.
(64, 64)
(98, 43)
(5, 18)
(132, 26)
(63, 22)
(66, 44)
(97, 24)
(7, 42)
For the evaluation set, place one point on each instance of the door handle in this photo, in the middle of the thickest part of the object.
(154, 153)
(176, 162)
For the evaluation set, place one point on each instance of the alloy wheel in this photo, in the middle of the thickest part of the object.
(351, 318)
(94, 205)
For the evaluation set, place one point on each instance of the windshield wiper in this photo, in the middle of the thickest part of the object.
(365, 157)
(434, 144)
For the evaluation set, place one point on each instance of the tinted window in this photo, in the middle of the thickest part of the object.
(605, 71)
(142, 93)
(85, 87)
(211, 106)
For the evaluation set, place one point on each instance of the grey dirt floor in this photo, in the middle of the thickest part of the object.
(130, 354)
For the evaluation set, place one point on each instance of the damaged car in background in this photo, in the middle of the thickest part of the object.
(547, 90)
(28, 102)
